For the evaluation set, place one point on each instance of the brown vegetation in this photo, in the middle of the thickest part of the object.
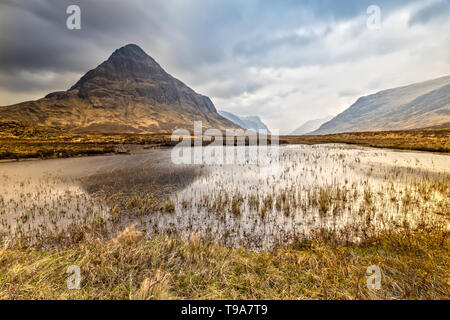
(435, 140)
(19, 140)
(135, 264)
(413, 266)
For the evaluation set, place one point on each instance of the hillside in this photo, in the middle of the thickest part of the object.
(310, 126)
(419, 105)
(128, 93)
(249, 122)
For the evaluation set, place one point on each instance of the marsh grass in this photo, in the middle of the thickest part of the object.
(119, 261)
(414, 265)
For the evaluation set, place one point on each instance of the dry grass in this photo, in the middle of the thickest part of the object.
(24, 141)
(20, 140)
(414, 266)
(436, 140)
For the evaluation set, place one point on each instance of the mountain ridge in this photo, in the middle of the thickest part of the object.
(311, 125)
(247, 122)
(413, 106)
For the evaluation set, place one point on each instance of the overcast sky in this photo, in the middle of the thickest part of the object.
(284, 60)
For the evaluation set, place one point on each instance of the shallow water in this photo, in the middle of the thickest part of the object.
(367, 190)
(39, 197)
(353, 191)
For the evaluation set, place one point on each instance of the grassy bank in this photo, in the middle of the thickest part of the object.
(25, 141)
(434, 140)
(413, 265)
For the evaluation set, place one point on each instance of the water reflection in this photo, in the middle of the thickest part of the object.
(352, 191)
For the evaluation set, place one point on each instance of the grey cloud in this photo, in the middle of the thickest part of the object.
(284, 94)
(37, 39)
(37, 36)
(348, 93)
(236, 88)
(434, 11)
(263, 46)
(33, 82)
(192, 34)
(210, 45)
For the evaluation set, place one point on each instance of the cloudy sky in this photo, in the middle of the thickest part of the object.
(284, 60)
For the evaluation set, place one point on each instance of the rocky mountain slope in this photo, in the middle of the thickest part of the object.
(419, 105)
(128, 93)
(309, 126)
(249, 122)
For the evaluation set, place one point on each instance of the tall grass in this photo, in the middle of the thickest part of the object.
(414, 266)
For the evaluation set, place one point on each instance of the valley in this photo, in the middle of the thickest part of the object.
(340, 196)
(323, 207)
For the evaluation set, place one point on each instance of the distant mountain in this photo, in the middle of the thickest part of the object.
(250, 122)
(128, 93)
(445, 125)
(418, 105)
(309, 126)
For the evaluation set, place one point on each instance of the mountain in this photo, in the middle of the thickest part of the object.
(418, 105)
(128, 93)
(309, 126)
(250, 122)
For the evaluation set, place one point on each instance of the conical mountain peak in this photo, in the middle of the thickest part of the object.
(130, 51)
(130, 92)
(128, 63)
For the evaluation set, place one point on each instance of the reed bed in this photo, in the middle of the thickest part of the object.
(140, 228)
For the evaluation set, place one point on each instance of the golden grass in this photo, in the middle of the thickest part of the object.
(414, 266)
(20, 140)
(435, 140)
(24, 141)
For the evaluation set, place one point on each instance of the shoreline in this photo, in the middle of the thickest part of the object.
(350, 144)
